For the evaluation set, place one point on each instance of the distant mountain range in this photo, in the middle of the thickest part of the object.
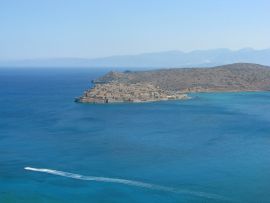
(168, 59)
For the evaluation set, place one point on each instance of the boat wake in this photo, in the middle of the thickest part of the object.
(126, 182)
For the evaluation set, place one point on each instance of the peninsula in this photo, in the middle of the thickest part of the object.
(176, 83)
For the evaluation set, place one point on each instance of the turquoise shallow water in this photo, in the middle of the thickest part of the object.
(214, 147)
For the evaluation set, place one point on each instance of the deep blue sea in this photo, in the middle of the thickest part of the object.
(214, 147)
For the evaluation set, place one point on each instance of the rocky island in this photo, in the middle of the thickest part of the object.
(175, 83)
(114, 92)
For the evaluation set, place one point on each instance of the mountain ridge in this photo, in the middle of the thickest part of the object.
(174, 58)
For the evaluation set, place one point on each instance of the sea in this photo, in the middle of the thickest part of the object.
(214, 147)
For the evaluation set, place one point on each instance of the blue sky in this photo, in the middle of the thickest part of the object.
(96, 28)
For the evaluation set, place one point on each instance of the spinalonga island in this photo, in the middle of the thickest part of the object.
(176, 83)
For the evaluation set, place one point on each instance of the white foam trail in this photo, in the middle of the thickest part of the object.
(125, 182)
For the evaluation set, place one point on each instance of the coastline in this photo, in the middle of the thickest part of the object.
(176, 84)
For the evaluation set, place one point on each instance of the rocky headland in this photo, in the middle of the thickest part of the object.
(169, 84)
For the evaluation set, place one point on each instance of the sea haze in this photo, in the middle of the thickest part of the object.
(212, 148)
(196, 58)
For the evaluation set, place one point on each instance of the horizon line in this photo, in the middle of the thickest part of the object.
(135, 54)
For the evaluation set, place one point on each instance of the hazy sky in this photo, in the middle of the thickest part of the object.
(93, 28)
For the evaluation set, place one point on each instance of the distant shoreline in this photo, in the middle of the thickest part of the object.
(175, 84)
